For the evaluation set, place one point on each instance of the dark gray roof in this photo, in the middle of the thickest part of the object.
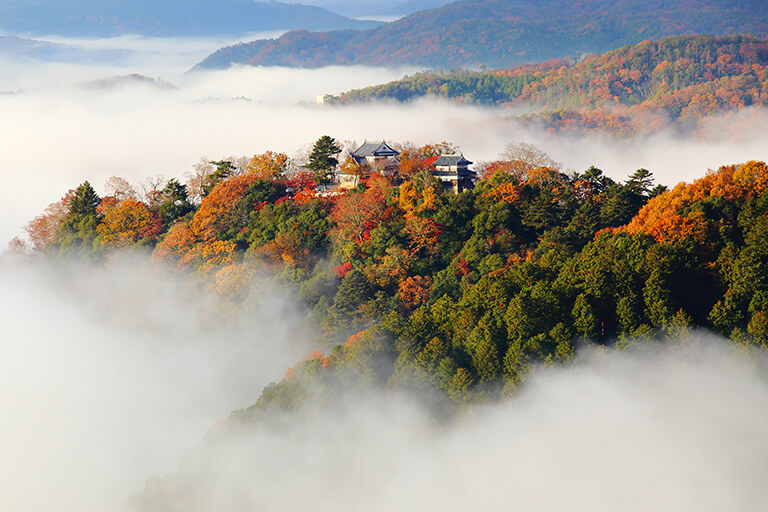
(451, 160)
(375, 148)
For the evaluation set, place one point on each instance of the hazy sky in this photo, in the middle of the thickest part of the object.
(57, 134)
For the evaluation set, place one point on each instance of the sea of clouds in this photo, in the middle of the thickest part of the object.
(107, 375)
(58, 132)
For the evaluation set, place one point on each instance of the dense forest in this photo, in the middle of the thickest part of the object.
(458, 292)
(634, 89)
(500, 33)
(454, 295)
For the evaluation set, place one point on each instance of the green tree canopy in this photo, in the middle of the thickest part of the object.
(322, 159)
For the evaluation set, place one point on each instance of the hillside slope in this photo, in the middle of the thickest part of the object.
(644, 86)
(502, 33)
(104, 18)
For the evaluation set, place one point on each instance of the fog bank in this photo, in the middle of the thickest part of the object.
(57, 133)
(108, 375)
(655, 428)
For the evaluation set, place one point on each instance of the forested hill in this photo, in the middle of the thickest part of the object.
(502, 33)
(163, 18)
(635, 88)
(453, 295)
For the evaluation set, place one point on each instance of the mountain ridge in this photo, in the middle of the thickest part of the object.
(107, 18)
(500, 33)
(675, 80)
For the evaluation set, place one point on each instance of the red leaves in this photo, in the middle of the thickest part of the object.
(343, 269)
(462, 265)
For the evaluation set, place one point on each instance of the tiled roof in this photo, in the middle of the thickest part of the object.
(451, 160)
(375, 148)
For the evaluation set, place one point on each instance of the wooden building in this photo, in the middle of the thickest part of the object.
(453, 171)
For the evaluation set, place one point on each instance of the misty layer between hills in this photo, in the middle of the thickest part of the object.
(675, 427)
(108, 374)
(59, 134)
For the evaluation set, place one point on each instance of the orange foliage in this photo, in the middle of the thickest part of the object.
(414, 291)
(106, 204)
(284, 249)
(354, 339)
(128, 223)
(217, 210)
(664, 217)
(42, 229)
(316, 355)
(507, 193)
(177, 242)
(422, 233)
(304, 196)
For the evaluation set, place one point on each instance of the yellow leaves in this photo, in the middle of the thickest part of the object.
(753, 176)
(350, 167)
(408, 196)
(268, 166)
(210, 255)
(428, 198)
(127, 223)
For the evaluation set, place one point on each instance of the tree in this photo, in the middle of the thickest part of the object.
(85, 201)
(219, 210)
(268, 166)
(174, 202)
(223, 169)
(42, 229)
(77, 232)
(128, 223)
(322, 158)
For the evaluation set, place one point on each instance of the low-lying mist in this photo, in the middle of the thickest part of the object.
(652, 428)
(107, 375)
(58, 132)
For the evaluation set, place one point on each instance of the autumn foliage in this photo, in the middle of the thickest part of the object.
(669, 216)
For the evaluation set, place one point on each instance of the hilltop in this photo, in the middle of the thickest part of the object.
(500, 33)
(643, 87)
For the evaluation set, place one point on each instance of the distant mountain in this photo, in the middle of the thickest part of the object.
(17, 47)
(502, 33)
(103, 18)
(676, 80)
(115, 82)
(357, 8)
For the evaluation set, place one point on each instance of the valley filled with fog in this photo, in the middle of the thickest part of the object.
(61, 129)
(109, 375)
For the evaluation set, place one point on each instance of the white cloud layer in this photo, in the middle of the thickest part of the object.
(108, 375)
(56, 134)
(663, 429)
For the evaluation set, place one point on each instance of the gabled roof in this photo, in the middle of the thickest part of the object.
(451, 160)
(374, 148)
